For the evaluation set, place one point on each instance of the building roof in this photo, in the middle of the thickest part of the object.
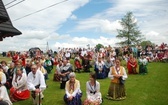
(6, 27)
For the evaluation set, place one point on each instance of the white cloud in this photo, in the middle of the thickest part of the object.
(83, 42)
(42, 27)
(150, 15)
(104, 25)
(155, 37)
(73, 17)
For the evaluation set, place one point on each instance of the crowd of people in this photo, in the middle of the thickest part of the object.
(26, 75)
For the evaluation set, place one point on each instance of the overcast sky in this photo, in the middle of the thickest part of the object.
(77, 23)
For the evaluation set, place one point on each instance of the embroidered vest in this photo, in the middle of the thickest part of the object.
(68, 86)
(114, 72)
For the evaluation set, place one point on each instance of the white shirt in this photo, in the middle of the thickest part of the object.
(4, 95)
(21, 82)
(34, 80)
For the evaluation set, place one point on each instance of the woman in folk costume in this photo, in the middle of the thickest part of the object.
(48, 65)
(77, 65)
(73, 93)
(117, 87)
(19, 89)
(94, 96)
(100, 69)
(4, 98)
(10, 75)
(15, 58)
(143, 62)
(132, 65)
(57, 71)
(42, 69)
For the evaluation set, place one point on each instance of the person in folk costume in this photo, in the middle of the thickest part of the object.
(56, 60)
(100, 69)
(93, 95)
(4, 66)
(112, 59)
(28, 67)
(117, 88)
(15, 58)
(38, 53)
(42, 69)
(67, 55)
(57, 71)
(42, 60)
(132, 65)
(85, 64)
(19, 65)
(19, 89)
(36, 84)
(10, 74)
(143, 62)
(65, 70)
(4, 97)
(73, 92)
(5, 70)
(108, 64)
(23, 59)
(48, 65)
(78, 65)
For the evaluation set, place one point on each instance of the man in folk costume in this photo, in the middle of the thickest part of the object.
(117, 88)
(36, 84)
(4, 98)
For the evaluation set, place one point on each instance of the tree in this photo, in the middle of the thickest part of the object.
(98, 46)
(145, 43)
(129, 32)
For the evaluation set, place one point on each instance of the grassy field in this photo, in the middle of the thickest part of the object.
(150, 89)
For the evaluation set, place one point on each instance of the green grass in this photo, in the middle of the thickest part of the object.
(150, 89)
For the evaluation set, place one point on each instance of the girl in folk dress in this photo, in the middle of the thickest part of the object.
(94, 96)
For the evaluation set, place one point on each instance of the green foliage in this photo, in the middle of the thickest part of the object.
(145, 43)
(98, 46)
(130, 33)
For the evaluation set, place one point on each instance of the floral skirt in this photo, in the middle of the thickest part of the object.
(116, 91)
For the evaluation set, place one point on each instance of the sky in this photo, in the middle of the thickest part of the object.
(77, 23)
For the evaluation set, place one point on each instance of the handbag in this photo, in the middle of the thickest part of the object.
(121, 81)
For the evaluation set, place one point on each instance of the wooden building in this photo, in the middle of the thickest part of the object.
(6, 27)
